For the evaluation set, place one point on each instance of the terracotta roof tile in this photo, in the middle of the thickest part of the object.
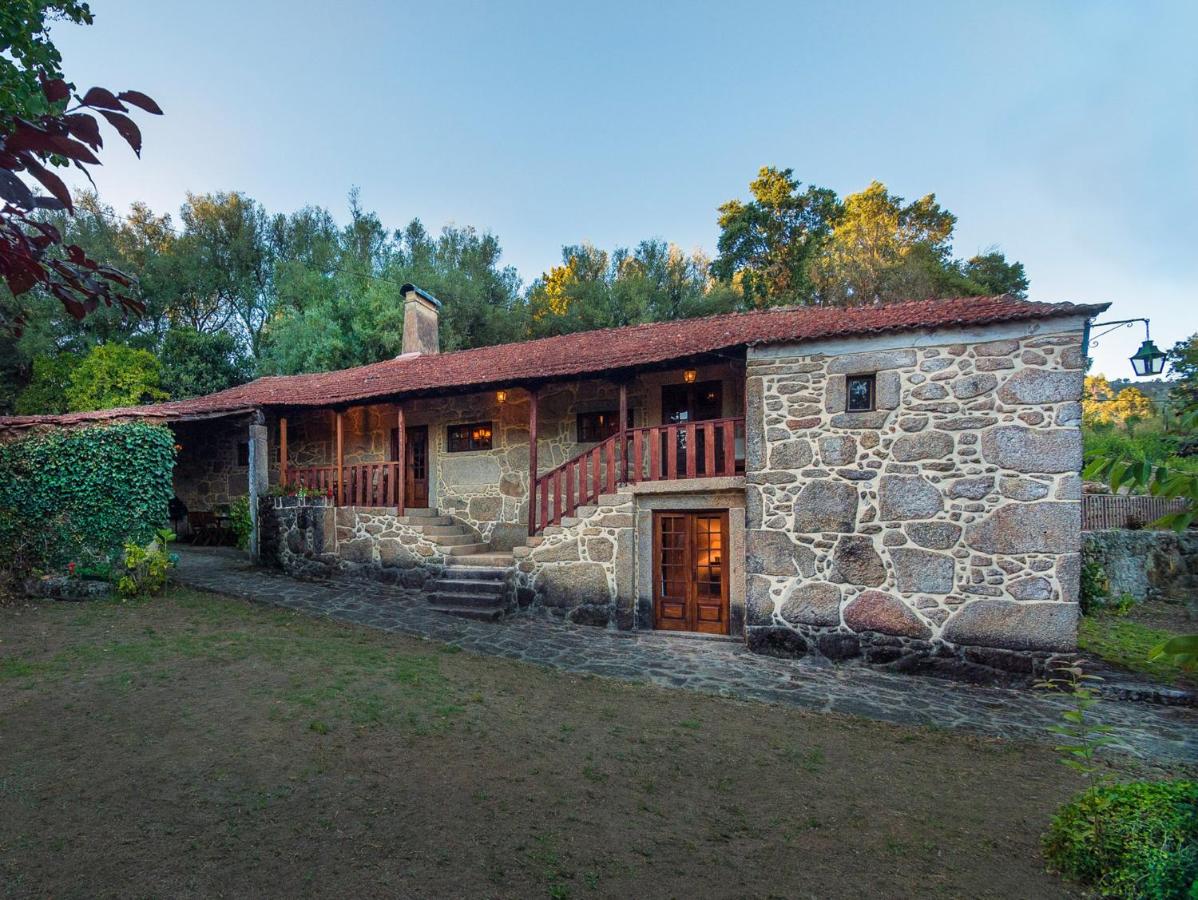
(580, 354)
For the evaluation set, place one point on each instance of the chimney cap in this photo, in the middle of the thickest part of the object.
(411, 288)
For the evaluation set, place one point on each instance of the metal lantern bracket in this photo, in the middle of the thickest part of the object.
(1148, 354)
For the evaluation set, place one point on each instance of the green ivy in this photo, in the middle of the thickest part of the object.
(79, 495)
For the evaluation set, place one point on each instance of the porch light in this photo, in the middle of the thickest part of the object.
(689, 376)
(501, 396)
(1149, 360)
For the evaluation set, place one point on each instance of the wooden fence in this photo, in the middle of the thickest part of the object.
(1101, 511)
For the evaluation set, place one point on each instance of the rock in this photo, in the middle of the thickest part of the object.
(1033, 449)
(511, 486)
(775, 553)
(591, 615)
(460, 469)
(913, 423)
(826, 506)
(855, 363)
(485, 509)
(812, 603)
(935, 535)
(755, 414)
(925, 445)
(563, 551)
(360, 550)
(887, 390)
(838, 646)
(968, 423)
(1036, 386)
(1035, 587)
(930, 391)
(781, 642)
(877, 611)
(971, 488)
(572, 584)
(600, 549)
(835, 397)
(996, 348)
(992, 364)
(1044, 527)
(922, 571)
(1011, 625)
(974, 385)
(759, 605)
(908, 497)
(1068, 414)
(1022, 489)
(794, 454)
(1069, 573)
(871, 420)
(856, 562)
(837, 449)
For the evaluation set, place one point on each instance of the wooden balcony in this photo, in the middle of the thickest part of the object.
(362, 484)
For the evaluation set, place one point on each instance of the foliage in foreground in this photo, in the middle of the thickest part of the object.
(1133, 840)
(80, 495)
(146, 567)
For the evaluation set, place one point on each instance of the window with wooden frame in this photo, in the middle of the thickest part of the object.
(599, 426)
(471, 436)
(859, 393)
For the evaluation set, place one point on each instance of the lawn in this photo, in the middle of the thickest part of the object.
(196, 746)
(1126, 640)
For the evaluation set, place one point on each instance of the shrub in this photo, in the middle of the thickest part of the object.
(146, 567)
(240, 521)
(1095, 586)
(80, 495)
(1134, 840)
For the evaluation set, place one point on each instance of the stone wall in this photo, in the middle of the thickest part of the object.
(947, 518)
(1147, 565)
(315, 539)
(206, 471)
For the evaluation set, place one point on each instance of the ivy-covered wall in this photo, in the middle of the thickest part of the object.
(78, 495)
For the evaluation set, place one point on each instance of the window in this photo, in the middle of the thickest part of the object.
(597, 426)
(472, 436)
(243, 453)
(691, 402)
(859, 393)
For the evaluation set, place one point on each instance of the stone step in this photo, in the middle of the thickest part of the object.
(474, 601)
(492, 559)
(438, 530)
(423, 513)
(423, 521)
(452, 541)
(485, 572)
(485, 585)
(468, 612)
(468, 548)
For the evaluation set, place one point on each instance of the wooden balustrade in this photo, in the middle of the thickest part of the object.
(661, 452)
(363, 484)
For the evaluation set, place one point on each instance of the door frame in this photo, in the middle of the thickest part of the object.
(409, 445)
(691, 616)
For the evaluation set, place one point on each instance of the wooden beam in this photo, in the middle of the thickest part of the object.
(622, 456)
(401, 450)
(339, 491)
(532, 462)
(283, 451)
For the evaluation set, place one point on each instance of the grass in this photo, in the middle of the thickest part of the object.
(195, 745)
(1125, 641)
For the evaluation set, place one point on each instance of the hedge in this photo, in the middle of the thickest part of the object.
(79, 495)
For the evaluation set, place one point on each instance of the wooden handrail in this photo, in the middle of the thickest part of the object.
(361, 484)
(655, 453)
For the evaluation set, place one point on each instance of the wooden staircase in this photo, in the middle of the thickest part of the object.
(475, 581)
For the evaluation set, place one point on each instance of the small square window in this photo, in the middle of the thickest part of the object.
(471, 436)
(243, 453)
(859, 393)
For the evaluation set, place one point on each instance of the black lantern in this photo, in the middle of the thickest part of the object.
(1148, 360)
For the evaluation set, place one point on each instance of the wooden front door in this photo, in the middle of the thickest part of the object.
(416, 465)
(690, 571)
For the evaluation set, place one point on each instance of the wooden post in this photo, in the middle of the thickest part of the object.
(339, 490)
(532, 462)
(283, 451)
(622, 458)
(401, 451)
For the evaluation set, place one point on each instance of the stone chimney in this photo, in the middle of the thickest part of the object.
(421, 321)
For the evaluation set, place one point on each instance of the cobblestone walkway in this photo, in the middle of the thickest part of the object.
(726, 668)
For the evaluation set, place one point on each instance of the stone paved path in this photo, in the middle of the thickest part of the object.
(726, 668)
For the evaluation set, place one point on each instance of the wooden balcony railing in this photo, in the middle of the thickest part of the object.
(705, 449)
(363, 484)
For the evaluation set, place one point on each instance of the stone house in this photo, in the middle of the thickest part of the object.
(899, 483)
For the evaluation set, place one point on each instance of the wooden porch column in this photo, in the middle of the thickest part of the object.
(339, 491)
(283, 451)
(401, 470)
(623, 457)
(532, 462)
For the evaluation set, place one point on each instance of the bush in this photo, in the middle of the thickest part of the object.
(240, 521)
(78, 496)
(1135, 840)
(146, 567)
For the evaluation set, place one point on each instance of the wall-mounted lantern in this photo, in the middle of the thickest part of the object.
(689, 376)
(501, 396)
(1148, 360)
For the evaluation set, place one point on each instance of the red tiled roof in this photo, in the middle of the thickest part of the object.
(571, 355)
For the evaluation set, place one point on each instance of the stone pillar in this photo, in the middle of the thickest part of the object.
(258, 476)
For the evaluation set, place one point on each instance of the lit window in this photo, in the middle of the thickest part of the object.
(859, 390)
(471, 436)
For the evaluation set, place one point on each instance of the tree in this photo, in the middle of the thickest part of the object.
(47, 389)
(1183, 370)
(992, 274)
(766, 246)
(195, 363)
(39, 133)
(113, 375)
(883, 249)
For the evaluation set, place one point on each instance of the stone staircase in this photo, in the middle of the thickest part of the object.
(475, 580)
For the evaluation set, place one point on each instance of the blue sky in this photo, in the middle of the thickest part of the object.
(1065, 133)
